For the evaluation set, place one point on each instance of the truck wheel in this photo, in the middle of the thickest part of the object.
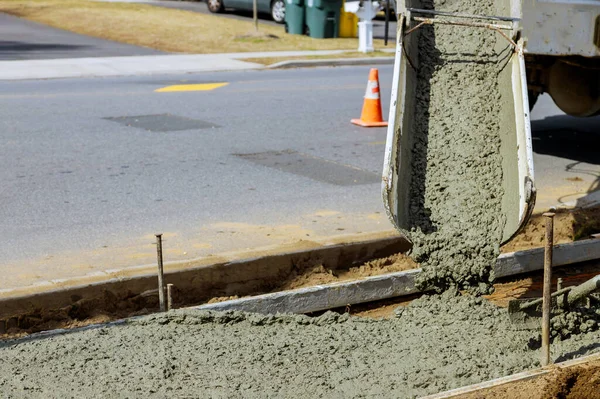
(575, 88)
(215, 6)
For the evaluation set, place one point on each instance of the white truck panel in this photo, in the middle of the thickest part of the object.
(560, 27)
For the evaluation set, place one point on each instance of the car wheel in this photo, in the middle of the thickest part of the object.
(215, 5)
(278, 11)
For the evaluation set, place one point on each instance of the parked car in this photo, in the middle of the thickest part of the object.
(274, 7)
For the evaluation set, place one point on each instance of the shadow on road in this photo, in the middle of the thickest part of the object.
(568, 137)
(11, 50)
(577, 139)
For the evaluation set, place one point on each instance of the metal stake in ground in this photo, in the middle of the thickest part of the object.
(169, 296)
(549, 216)
(161, 277)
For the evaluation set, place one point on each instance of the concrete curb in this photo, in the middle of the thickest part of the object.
(328, 296)
(243, 277)
(167, 64)
(226, 278)
(332, 62)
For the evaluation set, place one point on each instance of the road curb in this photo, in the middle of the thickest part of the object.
(302, 300)
(340, 294)
(221, 279)
(332, 62)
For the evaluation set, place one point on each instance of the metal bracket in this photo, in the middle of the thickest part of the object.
(492, 26)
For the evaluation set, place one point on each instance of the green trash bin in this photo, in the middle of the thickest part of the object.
(323, 18)
(294, 17)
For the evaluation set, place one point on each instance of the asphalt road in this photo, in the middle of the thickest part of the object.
(25, 40)
(91, 168)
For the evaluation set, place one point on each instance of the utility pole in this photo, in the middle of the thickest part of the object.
(255, 13)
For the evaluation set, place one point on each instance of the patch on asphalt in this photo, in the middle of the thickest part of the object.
(162, 122)
(315, 168)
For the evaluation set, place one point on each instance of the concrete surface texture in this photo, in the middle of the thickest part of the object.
(119, 66)
(84, 194)
(25, 40)
(456, 182)
(437, 343)
(142, 65)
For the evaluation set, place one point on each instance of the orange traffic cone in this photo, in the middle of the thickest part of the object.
(371, 112)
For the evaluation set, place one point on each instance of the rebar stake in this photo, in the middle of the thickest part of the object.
(169, 296)
(161, 277)
(547, 296)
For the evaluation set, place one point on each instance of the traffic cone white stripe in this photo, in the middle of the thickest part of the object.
(372, 92)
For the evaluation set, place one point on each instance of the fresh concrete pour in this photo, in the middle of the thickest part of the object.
(456, 188)
(436, 343)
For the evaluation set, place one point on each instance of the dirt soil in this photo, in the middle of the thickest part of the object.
(569, 225)
(309, 275)
(576, 382)
(112, 306)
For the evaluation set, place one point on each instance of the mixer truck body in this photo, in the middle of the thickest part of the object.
(562, 52)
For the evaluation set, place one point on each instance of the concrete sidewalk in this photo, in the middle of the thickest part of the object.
(142, 65)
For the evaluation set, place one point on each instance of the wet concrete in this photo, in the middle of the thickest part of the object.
(456, 186)
(437, 343)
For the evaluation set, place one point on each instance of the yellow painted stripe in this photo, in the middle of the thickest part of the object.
(193, 87)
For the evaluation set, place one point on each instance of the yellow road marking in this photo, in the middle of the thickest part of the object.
(192, 87)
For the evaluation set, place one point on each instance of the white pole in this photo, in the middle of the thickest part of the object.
(365, 36)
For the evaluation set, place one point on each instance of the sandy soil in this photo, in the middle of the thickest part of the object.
(569, 225)
(309, 275)
(578, 382)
